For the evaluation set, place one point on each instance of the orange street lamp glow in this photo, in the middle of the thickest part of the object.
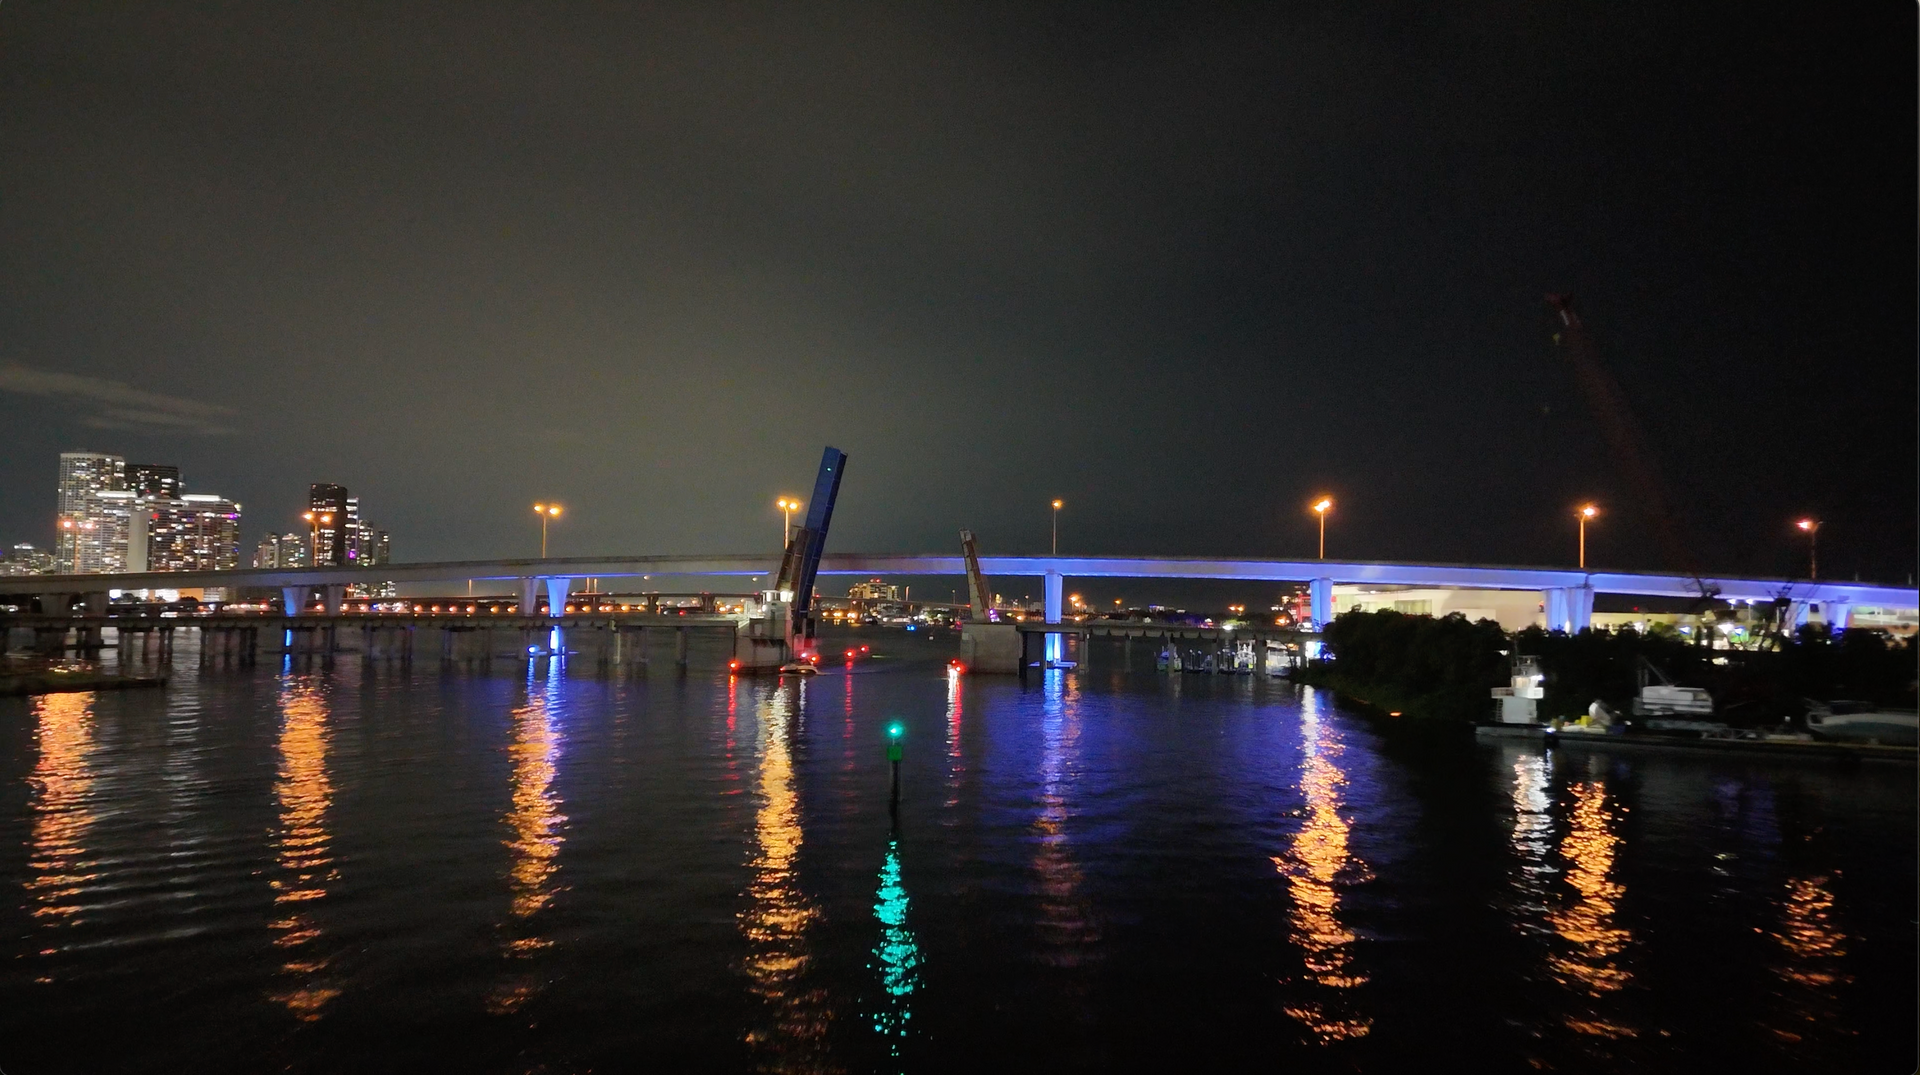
(1812, 527)
(1586, 512)
(546, 512)
(316, 522)
(1056, 528)
(1320, 508)
(787, 505)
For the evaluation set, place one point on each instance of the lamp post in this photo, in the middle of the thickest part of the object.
(313, 545)
(546, 512)
(1812, 527)
(787, 505)
(1586, 512)
(1056, 528)
(1320, 508)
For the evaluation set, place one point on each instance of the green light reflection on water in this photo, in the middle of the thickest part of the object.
(898, 954)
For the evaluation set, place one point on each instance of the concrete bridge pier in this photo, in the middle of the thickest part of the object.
(1838, 614)
(293, 600)
(1320, 598)
(335, 595)
(50, 641)
(529, 597)
(557, 596)
(1569, 608)
(680, 648)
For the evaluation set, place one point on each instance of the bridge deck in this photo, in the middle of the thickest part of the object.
(1382, 573)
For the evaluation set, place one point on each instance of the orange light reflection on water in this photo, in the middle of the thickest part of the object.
(1814, 947)
(62, 809)
(1315, 866)
(534, 826)
(302, 846)
(1590, 961)
(778, 913)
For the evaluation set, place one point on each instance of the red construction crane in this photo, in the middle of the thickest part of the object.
(1623, 436)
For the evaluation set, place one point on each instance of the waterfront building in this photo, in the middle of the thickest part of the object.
(1513, 610)
(193, 532)
(78, 547)
(873, 590)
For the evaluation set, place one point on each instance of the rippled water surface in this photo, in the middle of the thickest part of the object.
(537, 868)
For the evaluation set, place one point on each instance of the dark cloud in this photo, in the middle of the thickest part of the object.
(1184, 267)
(109, 404)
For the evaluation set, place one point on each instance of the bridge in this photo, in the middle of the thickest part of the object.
(1568, 594)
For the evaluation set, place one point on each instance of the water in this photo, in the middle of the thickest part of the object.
(539, 869)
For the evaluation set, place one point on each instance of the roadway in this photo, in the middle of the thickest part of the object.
(1323, 572)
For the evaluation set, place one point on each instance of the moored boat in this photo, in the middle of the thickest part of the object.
(1863, 722)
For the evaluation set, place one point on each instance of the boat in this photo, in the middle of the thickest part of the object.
(1863, 722)
(1668, 699)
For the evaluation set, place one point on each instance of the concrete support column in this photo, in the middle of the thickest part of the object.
(293, 600)
(1555, 599)
(56, 604)
(335, 594)
(680, 646)
(1055, 584)
(529, 597)
(1320, 598)
(1837, 614)
(1579, 609)
(557, 596)
(96, 603)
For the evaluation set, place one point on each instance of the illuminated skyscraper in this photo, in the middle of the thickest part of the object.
(154, 482)
(329, 502)
(281, 550)
(82, 542)
(194, 532)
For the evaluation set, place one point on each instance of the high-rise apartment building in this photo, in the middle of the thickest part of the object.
(26, 560)
(328, 505)
(281, 550)
(154, 482)
(193, 532)
(83, 541)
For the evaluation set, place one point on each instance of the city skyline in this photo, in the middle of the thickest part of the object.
(100, 496)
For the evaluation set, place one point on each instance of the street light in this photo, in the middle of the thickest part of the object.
(1056, 528)
(787, 505)
(546, 512)
(316, 522)
(1320, 508)
(1586, 512)
(1812, 527)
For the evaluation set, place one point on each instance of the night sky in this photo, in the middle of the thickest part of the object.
(1184, 268)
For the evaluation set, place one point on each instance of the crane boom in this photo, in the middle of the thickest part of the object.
(1623, 436)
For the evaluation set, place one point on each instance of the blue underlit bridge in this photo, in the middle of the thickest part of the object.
(1567, 594)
